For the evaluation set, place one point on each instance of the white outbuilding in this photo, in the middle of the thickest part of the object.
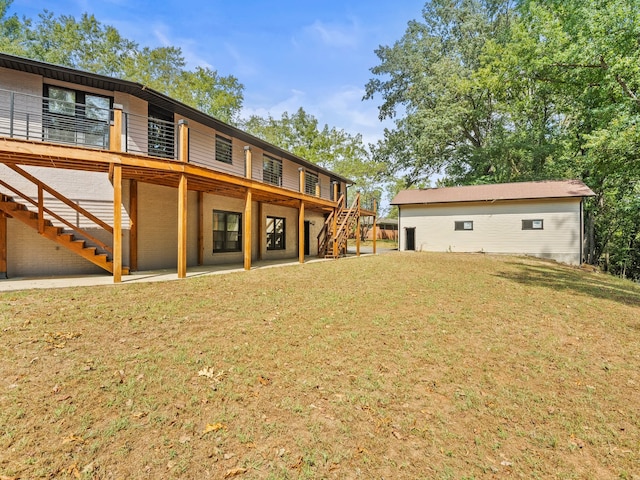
(541, 219)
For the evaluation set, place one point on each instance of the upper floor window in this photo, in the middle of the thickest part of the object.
(465, 225)
(224, 150)
(272, 171)
(310, 183)
(161, 132)
(76, 117)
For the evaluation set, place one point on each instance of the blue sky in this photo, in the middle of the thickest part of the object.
(314, 54)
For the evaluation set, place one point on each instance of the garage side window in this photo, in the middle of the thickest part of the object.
(532, 224)
(464, 225)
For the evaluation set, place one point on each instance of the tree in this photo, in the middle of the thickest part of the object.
(87, 44)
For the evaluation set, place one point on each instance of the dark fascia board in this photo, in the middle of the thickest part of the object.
(103, 82)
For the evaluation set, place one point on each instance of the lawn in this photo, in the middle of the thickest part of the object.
(402, 365)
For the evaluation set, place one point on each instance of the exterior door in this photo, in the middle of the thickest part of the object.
(410, 239)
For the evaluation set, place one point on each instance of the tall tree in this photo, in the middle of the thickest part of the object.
(87, 44)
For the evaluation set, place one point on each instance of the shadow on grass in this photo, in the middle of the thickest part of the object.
(559, 277)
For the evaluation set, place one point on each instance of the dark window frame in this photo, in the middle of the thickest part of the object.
(269, 164)
(531, 224)
(224, 235)
(461, 226)
(311, 181)
(224, 149)
(276, 240)
(77, 121)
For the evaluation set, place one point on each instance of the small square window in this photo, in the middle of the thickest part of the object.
(464, 225)
(532, 225)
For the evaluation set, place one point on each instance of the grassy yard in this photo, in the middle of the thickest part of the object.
(404, 365)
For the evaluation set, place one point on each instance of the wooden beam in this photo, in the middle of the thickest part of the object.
(133, 225)
(301, 232)
(375, 234)
(117, 224)
(115, 130)
(183, 141)
(246, 231)
(182, 227)
(200, 228)
(261, 237)
(248, 162)
(357, 228)
(3, 245)
(302, 179)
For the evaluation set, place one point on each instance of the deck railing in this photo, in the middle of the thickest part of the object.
(37, 118)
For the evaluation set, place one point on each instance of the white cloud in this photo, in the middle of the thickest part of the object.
(334, 35)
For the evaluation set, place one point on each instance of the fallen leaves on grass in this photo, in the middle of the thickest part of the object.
(214, 427)
(234, 472)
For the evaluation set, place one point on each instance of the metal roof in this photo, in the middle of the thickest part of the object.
(495, 192)
(102, 82)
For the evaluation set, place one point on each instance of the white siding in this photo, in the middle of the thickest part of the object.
(497, 228)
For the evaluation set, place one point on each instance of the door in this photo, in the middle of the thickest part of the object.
(410, 239)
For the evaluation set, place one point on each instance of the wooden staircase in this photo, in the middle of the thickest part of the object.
(332, 239)
(97, 253)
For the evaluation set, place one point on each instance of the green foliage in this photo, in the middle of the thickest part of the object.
(89, 45)
(493, 91)
(330, 148)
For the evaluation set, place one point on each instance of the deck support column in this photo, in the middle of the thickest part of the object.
(133, 225)
(183, 199)
(117, 223)
(248, 162)
(246, 231)
(260, 230)
(302, 179)
(182, 226)
(301, 232)
(375, 217)
(200, 228)
(3, 246)
(115, 132)
(358, 228)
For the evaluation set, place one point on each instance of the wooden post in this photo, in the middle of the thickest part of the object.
(247, 161)
(301, 170)
(318, 189)
(182, 226)
(358, 231)
(261, 238)
(335, 232)
(183, 198)
(375, 218)
(335, 191)
(200, 228)
(40, 209)
(3, 246)
(117, 223)
(115, 131)
(246, 231)
(183, 139)
(301, 232)
(133, 225)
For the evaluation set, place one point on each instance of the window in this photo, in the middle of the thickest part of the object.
(161, 132)
(275, 233)
(227, 231)
(224, 150)
(465, 225)
(532, 224)
(75, 117)
(310, 183)
(272, 171)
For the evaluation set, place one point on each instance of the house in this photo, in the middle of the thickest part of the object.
(100, 174)
(542, 219)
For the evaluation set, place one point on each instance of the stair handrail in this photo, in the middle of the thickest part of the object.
(341, 232)
(41, 208)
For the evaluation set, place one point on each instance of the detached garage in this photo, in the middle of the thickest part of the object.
(541, 219)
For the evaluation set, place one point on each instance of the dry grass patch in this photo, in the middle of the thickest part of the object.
(437, 366)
